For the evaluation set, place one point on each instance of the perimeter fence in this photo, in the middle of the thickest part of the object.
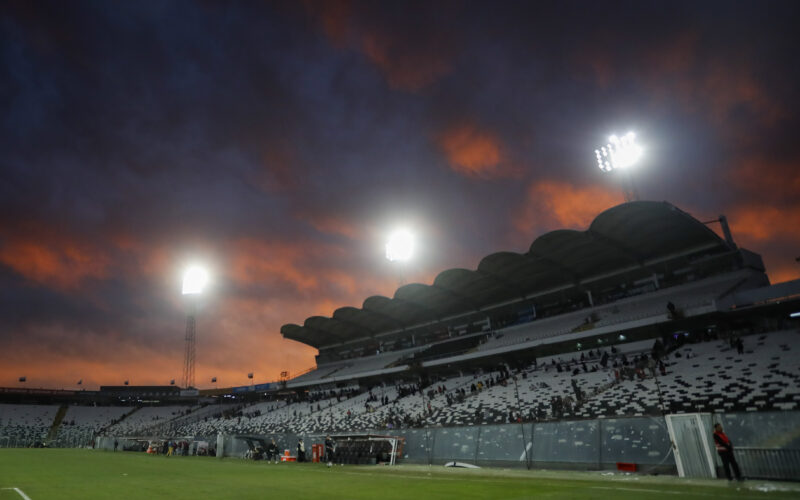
(767, 444)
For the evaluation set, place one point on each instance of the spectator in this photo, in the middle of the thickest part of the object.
(671, 310)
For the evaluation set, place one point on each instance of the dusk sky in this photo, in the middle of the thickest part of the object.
(279, 142)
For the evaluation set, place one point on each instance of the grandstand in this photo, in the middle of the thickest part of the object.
(25, 423)
(647, 313)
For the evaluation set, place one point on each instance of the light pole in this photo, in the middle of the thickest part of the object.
(194, 280)
(621, 153)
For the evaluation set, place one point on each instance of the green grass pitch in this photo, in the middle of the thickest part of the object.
(86, 474)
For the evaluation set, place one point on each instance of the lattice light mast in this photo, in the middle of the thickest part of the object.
(621, 153)
(194, 280)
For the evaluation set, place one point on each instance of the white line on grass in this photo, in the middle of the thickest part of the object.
(635, 489)
(665, 492)
(479, 479)
(426, 478)
(21, 493)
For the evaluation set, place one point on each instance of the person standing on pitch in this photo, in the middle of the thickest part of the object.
(725, 450)
(329, 450)
(272, 451)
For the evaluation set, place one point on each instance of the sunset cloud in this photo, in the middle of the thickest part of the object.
(48, 256)
(331, 224)
(554, 204)
(683, 69)
(278, 142)
(407, 63)
(474, 152)
(264, 263)
(765, 178)
(406, 68)
(761, 223)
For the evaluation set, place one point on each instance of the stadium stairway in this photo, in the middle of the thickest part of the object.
(51, 435)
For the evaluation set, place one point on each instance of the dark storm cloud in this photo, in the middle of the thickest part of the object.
(279, 140)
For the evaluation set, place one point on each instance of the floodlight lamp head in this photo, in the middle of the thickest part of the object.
(400, 247)
(194, 280)
(620, 152)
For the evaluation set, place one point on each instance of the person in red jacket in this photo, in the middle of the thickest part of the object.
(725, 450)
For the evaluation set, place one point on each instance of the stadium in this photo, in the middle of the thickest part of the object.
(386, 250)
(595, 357)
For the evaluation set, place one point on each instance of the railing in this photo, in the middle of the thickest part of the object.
(768, 463)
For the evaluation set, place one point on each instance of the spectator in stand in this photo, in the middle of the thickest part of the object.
(604, 360)
(725, 449)
(739, 346)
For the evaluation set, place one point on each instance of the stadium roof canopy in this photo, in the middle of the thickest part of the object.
(628, 235)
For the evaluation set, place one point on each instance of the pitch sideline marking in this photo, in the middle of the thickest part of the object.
(439, 478)
(647, 490)
(21, 493)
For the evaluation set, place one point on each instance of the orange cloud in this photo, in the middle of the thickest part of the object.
(681, 70)
(335, 18)
(777, 180)
(331, 224)
(258, 262)
(474, 152)
(152, 368)
(771, 210)
(405, 67)
(407, 63)
(235, 336)
(558, 205)
(782, 273)
(727, 87)
(760, 223)
(55, 261)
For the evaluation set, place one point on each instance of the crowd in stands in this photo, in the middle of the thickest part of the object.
(673, 374)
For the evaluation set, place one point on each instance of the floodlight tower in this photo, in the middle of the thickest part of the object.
(621, 153)
(194, 280)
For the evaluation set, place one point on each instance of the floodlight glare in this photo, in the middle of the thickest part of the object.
(620, 152)
(400, 246)
(194, 279)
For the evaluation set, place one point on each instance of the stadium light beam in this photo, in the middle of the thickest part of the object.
(195, 279)
(620, 152)
(400, 246)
